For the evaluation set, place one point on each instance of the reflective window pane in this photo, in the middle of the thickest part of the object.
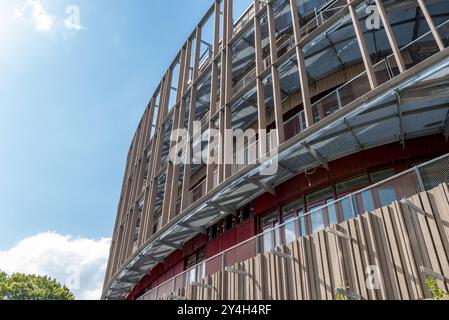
(387, 195)
(351, 185)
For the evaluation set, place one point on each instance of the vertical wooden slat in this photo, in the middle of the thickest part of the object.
(401, 230)
(440, 202)
(311, 274)
(338, 280)
(304, 270)
(416, 246)
(386, 256)
(320, 277)
(398, 266)
(329, 294)
(360, 266)
(371, 250)
(434, 241)
(349, 259)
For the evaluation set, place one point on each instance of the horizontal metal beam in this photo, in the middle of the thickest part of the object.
(202, 285)
(430, 272)
(133, 282)
(318, 156)
(221, 208)
(150, 259)
(261, 185)
(338, 234)
(281, 254)
(414, 207)
(170, 244)
(136, 270)
(237, 271)
(193, 228)
(286, 169)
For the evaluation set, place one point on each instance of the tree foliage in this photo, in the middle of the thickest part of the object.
(31, 287)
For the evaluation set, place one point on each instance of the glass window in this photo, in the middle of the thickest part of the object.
(246, 212)
(271, 237)
(269, 219)
(332, 212)
(213, 232)
(318, 196)
(316, 218)
(327, 61)
(228, 223)
(292, 225)
(382, 175)
(354, 184)
(411, 31)
(197, 273)
(387, 195)
(157, 222)
(368, 202)
(348, 208)
(295, 208)
(290, 229)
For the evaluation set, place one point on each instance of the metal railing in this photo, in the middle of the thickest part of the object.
(197, 193)
(250, 154)
(322, 15)
(295, 125)
(404, 185)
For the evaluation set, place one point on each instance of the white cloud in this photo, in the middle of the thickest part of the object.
(42, 20)
(77, 262)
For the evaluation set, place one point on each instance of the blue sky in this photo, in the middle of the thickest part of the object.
(70, 101)
(69, 104)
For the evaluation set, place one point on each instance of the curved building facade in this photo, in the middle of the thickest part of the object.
(335, 108)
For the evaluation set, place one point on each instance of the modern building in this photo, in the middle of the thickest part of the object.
(349, 101)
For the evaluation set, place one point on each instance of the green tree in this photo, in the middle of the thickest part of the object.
(31, 287)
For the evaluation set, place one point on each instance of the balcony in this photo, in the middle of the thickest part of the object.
(197, 193)
(405, 199)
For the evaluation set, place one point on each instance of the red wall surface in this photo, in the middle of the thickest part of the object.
(386, 156)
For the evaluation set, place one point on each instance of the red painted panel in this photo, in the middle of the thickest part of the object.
(199, 242)
(212, 248)
(173, 258)
(245, 231)
(188, 248)
(287, 190)
(170, 273)
(179, 267)
(228, 239)
(264, 203)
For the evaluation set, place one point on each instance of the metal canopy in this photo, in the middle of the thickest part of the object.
(371, 123)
